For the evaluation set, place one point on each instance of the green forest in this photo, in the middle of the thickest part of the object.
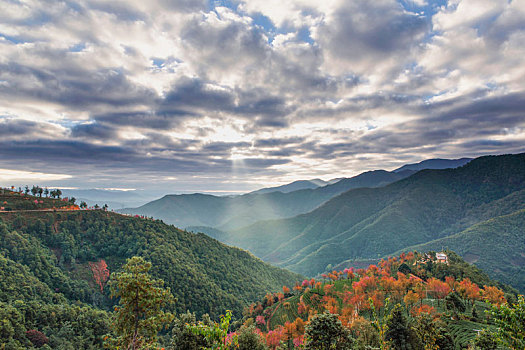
(55, 265)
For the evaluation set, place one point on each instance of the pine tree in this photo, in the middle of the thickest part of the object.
(399, 333)
(139, 316)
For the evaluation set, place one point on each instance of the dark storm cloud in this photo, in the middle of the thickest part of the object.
(195, 93)
(477, 120)
(271, 110)
(93, 131)
(10, 127)
(508, 110)
(25, 129)
(78, 88)
(223, 147)
(156, 119)
(263, 163)
(122, 11)
(184, 5)
(379, 100)
(83, 156)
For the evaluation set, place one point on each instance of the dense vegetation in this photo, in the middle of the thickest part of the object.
(226, 213)
(55, 266)
(427, 206)
(412, 299)
(58, 262)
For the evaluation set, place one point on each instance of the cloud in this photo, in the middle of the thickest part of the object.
(361, 35)
(93, 131)
(76, 89)
(261, 90)
(14, 129)
(30, 176)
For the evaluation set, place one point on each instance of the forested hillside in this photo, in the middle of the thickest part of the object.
(375, 222)
(411, 301)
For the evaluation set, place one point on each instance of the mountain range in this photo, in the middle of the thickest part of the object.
(468, 209)
(203, 212)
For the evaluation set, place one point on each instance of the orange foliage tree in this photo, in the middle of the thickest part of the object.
(438, 288)
(494, 295)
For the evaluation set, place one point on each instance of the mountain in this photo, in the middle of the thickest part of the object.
(435, 164)
(60, 247)
(376, 222)
(228, 213)
(294, 186)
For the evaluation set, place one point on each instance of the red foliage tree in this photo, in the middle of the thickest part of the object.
(100, 272)
(37, 338)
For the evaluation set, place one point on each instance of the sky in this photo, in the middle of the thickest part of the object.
(233, 95)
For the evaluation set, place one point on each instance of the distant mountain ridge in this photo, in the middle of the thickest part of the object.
(293, 186)
(437, 163)
(212, 214)
(298, 185)
(232, 212)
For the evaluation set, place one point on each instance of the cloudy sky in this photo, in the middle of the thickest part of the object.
(232, 95)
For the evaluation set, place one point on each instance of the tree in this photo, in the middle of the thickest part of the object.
(34, 191)
(215, 334)
(399, 333)
(249, 339)
(83, 205)
(404, 268)
(139, 315)
(72, 200)
(410, 299)
(100, 273)
(511, 324)
(37, 338)
(493, 295)
(325, 332)
(485, 341)
(454, 303)
(427, 330)
(183, 338)
(40, 191)
(439, 289)
(46, 192)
